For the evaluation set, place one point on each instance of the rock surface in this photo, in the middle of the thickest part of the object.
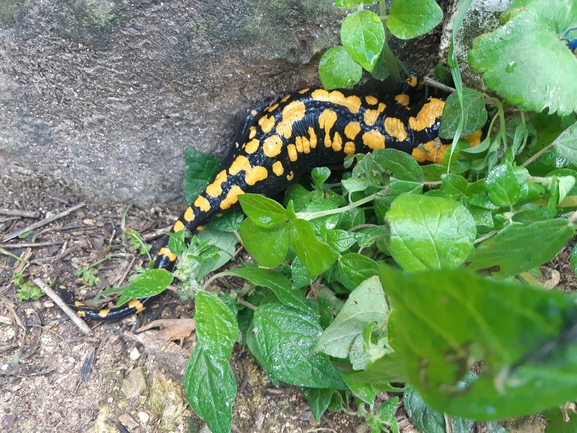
(105, 95)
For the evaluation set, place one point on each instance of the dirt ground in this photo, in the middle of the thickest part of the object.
(54, 378)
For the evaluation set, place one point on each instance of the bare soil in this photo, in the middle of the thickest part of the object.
(53, 378)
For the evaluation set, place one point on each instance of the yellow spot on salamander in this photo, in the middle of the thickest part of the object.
(337, 142)
(403, 99)
(312, 137)
(303, 91)
(252, 174)
(434, 152)
(352, 130)
(350, 148)
(292, 152)
(475, 138)
(371, 117)
(252, 146)
(371, 100)
(188, 214)
(166, 252)
(327, 120)
(292, 113)
(290, 176)
(284, 99)
(253, 112)
(137, 305)
(81, 313)
(395, 128)
(79, 304)
(231, 197)
(272, 146)
(271, 108)
(214, 189)
(353, 103)
(428, 115)
(252, 132)
(202, 203)
(374, 140)
(104, 313)
(266, 123)
(178, 226)
(277, 168)
(413, 81)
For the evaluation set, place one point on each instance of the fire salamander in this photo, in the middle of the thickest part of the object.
(308, 129)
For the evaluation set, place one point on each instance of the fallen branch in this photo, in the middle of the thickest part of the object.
(42, 223)
(67, 310)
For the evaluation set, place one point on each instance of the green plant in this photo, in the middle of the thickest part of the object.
(26, 290)
(376, 279)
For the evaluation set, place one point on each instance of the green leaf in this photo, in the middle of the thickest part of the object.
(200, 169)
(387, 369)
(524, 335)
(475, 114)
(216, 327)
(268, 247)
(209, 384)
(533, 27)
(315, 255)
(453, 186)
(337, 69)
(363, 36)
(263, 211)
(149, 283)
(285, 340)
(319, 400)
(557, 422)
(427, 419)
(567, 144)
(502, 186)
(277, 282)
(210, 388)
(513, 250)
(429, 232)
(365, 305)
(409, 18)
(355, 268)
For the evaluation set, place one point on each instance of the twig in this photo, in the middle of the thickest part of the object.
(42, 223)
(19, 213)
(31, 245)
(546, 148)
(67, 310)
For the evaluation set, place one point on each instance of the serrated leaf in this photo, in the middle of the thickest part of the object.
(475, 114)
(268, 247)
(200, 169)
(409, 19)
(513, 250)
(277, 282)
(355, 268)
(567, 144)
(216, 326)
(363, 36)
(315, 255)
(263, 211)
(502, 186)
(365, 305)
(427, 419)
(319, 400)
(429, 232)
(337, 69)
(285, 340)
(531, 27)
(524, 335)
(210, 388)
(150, 283)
